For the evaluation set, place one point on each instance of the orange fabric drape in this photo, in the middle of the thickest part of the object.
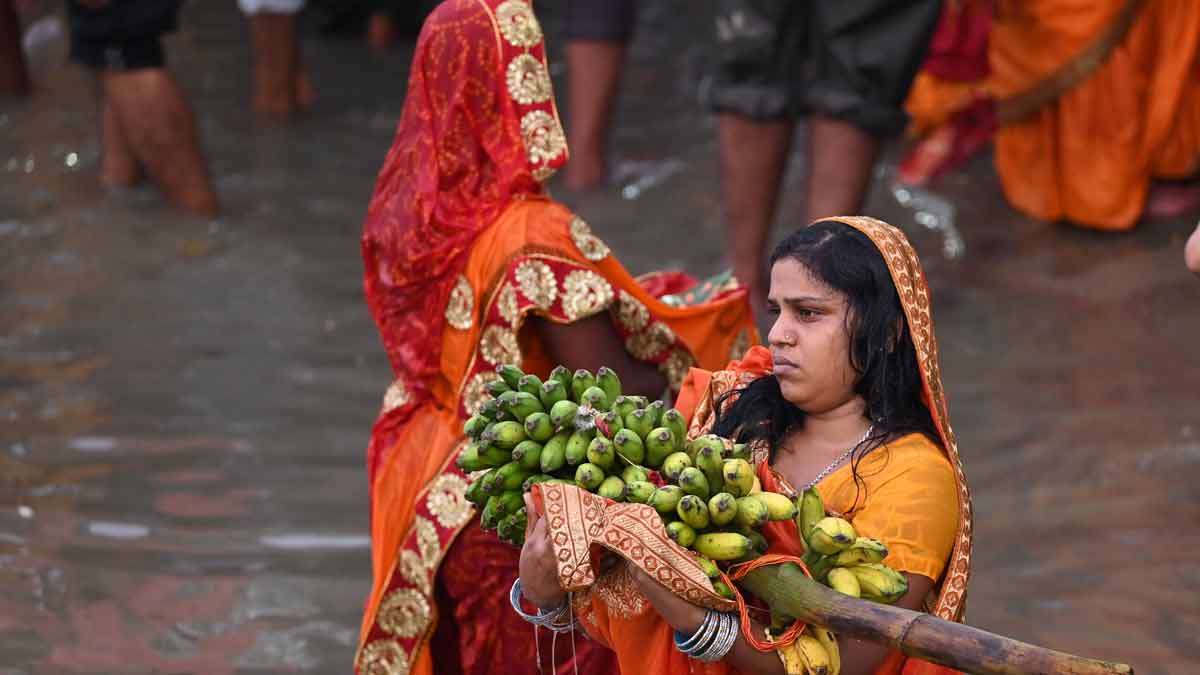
(1087, 152)
(1089, 156)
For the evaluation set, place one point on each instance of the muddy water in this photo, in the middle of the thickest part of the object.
(184, 403)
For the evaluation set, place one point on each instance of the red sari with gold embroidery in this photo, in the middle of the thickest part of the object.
(461, 248)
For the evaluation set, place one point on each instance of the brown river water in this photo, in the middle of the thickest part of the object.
(185, 403)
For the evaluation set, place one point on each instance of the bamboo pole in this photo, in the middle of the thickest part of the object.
(789, 591)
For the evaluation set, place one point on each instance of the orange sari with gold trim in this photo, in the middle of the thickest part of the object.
(610, 605)
(461, 248)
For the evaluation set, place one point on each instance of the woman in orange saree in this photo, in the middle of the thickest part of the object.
(469, 264)
(1095, 106)
(848, 398)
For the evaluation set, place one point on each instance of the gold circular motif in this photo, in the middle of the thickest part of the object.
(675, 368)
(537, 282)
(447, 501)
(543, 136)
(404, 613)
(475, 393)
(651, 342)
(395, 396)
(414, 570)
(383, 657)
(588, 243)
(517, 24)
(428, 543)
(499, 345)
(632, 314)
(461, 307)
(528, 81)
(543, 173)
(584, 294)
(506, 304)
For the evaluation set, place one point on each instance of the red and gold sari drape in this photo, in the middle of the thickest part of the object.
(461, 248)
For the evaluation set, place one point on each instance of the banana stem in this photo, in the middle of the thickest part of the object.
(788, 591)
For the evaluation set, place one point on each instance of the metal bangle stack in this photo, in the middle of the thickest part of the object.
(558, 620)
(713, 640)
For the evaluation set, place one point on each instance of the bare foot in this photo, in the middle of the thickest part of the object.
(1172, 199)
(1191, 252)
(381, 31)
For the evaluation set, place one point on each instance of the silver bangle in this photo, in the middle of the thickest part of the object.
(551, 620)
(713, 639)
(703, 635)
(724, 640)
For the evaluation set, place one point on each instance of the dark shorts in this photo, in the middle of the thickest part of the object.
(122, 35)
(606, 20)
(852, 60)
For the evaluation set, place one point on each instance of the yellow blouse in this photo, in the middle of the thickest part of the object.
(907, 499)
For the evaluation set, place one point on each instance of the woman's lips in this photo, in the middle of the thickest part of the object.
(783, 365)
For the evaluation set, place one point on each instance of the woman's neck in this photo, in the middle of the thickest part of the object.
(840, 427)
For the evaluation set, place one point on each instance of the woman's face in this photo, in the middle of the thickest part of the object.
(810, 339)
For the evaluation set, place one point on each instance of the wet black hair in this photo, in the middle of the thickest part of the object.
(881, 348)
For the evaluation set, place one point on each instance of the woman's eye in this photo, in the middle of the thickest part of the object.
(773, 310)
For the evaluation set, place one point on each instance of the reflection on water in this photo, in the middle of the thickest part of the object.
(184, 403)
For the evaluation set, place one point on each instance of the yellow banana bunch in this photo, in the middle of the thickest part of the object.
(813, 655)
(831, 535)
(829, 641)
(879, 582)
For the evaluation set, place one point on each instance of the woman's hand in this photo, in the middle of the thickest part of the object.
(538, 566)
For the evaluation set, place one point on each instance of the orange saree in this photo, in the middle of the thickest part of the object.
(917, 502)
(461, 248)
(1088, 154)
(1090, 100)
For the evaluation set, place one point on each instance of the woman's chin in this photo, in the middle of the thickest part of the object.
(793, 393)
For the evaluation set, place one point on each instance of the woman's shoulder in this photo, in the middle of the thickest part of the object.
(911, 456)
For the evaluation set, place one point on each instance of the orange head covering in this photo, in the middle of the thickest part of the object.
(913, 289)
(479, 128)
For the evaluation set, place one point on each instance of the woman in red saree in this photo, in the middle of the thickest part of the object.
(469, 264)
(848, 397)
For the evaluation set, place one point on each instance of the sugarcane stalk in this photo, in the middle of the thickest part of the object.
(790, 592)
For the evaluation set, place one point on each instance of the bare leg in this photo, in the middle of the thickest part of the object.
(1191, 252)
(14, 78)
(840, 159)
(161, 133)
(276, 61)
(593, 73)
(753, 159)
(119, 167)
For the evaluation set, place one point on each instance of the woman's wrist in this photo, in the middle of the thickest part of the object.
(544, 599)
